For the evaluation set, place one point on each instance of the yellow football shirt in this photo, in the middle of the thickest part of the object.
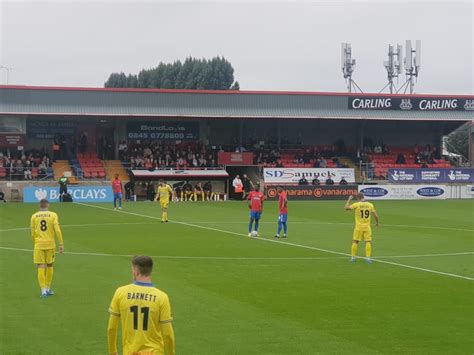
(44, 226)
(363, 212)
(165, 192)
(141, 308)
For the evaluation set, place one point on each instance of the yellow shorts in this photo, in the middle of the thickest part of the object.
(44, 256)
(359, 235)
(164, 204)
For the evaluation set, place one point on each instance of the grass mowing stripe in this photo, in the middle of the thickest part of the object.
(80, 225)
(240, 257)
(344, 223)
(286, 243)
(190, 257)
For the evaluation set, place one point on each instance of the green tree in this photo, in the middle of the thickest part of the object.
(458, 141)
(200, 74)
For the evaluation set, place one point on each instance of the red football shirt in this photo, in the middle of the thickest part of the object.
(117, 186)
(256, 201)
(281, 203)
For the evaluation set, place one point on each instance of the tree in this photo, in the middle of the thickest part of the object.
(458, 141)
(199, 74)
(235, 86)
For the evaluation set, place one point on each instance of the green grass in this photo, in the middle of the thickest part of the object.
(261, 301)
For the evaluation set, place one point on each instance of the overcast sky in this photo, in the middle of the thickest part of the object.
(292, 45)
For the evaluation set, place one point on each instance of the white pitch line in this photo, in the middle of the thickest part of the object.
(235, 222)
(344, 223)
(189, 257)
(243, 257)
(287, 243)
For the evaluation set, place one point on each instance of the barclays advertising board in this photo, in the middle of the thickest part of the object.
(78, 193)
(455, 175)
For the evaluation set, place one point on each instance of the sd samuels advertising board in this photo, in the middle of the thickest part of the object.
(293, 175)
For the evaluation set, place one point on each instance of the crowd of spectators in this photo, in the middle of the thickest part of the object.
(316, 156)
(155, 155)
(316, 182)
(427, 155)
(25, 165)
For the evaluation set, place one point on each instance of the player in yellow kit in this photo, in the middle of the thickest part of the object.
(164, 193)
(145, 314)
(44, 228)
(362, 230)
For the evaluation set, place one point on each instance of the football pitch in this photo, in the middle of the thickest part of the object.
(231, 294)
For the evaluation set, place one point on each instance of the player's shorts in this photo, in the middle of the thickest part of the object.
(44, 256)
(118, 195)
(359, 235)
(255, 214)
(283, 217)
(164, 203)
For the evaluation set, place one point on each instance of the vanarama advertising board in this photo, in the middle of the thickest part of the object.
(323, 192)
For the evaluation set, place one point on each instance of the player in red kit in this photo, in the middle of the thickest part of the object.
(256, 208)
(117, 190)
(283, 212)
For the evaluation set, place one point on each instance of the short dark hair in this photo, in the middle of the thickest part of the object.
(143, 263)
(360, 196)
(44, 203)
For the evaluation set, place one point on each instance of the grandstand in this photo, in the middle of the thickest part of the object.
(185, 129)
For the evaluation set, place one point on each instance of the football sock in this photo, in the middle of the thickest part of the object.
(250, 226)
(284, 227)
(42, 279)
(49, 277)
(279, 227)
(256, 225)
(120, 202)
(368, 249)
(354, 249)
(115, 202)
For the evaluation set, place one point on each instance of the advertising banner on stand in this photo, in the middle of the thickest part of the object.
(381, 102)
(163, 131)
(448, 175)
(293, 175)
(312, 193)
(78, 193)
(49, 129)
(404, 192)
(235, 158)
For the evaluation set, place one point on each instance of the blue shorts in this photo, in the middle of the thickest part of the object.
(283, 217)
(255, 214)
(118, 195)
